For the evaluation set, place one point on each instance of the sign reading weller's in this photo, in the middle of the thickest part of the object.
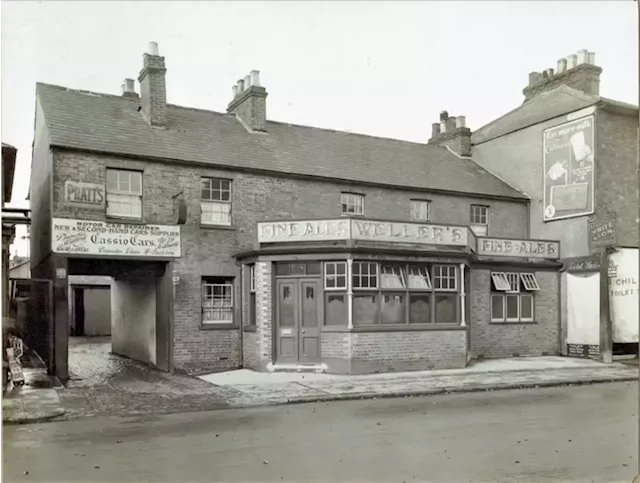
(331, 230)
(81, 237)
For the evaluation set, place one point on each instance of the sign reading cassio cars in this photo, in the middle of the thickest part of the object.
(81, 237)
(568, 163)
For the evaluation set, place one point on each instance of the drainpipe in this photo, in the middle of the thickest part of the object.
(241, 312)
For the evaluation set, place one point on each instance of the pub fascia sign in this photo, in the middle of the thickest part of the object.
(83, 237)
(331, 230)
(518, 248)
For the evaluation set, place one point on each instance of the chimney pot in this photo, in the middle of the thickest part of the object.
(583, 56)
(572, 61)
(534, 78)
(444, 115)
(592, 58)
(549, 73)
(443, 126)
(240, 85)
(247, 81)
(435, 130)
(129, 85)
(460, 121)
(255, 78)
(235, 90)
(562, 65)
(153, 49)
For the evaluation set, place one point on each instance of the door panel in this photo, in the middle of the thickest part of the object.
(287, 321)
(309, 294)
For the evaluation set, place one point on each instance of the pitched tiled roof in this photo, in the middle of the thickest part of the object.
(547, 105)
(113, 124)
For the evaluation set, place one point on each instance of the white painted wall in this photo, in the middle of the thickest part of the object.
(583, 308)
(21, 271)
(133, 320)
(97, 311)
(623, 295)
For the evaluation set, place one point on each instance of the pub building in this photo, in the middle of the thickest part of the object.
(229, 240)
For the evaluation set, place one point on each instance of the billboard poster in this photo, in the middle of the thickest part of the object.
(568, 163)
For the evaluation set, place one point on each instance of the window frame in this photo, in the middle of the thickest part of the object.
(335, 275)
(346, 197)
(476, 214)
(521, 291)
(217, 282)
(216, 202)
(425, 203)
(117, 192)
(252, 319)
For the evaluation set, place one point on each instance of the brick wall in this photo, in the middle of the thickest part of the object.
(508, 339)
(335, 349)
(408, 351)
(209, 252)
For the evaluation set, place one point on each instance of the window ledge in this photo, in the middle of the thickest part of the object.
(521, 322)
(231, 326)
(335, 328)
(409, 328)
(250, 328)
(206, 226)
(116, 219)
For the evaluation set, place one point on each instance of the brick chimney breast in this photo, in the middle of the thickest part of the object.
(153, 89)
(578, 71)
(249, 102)
(452, 132)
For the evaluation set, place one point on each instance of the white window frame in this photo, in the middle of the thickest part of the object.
(394, 272)
(504, 282)
(503, 301)
(361, 276)
(421, 273)
(530, 282)
(353, 202)
(225, 306)
(128, 197)
(335, 275)
(252, 278)
(421, 210)
(438, 274)
(477, 214)
(215, 204)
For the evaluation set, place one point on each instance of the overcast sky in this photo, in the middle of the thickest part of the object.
(380, 68)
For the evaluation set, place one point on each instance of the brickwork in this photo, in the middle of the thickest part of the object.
(251, 107)
(153, 89)
(510, 339)
(335, 350)
(584, 77)
(408, 351)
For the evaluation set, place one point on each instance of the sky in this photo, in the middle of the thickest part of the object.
(373, 67)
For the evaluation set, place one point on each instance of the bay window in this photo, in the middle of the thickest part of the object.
(512, 296)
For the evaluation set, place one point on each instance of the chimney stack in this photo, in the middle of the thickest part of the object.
(452, 132)
(250, 102)
(153, 90)
(129, 89)
(578, 71)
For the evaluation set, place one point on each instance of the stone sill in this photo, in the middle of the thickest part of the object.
(204, 226)
(231, 326)
(131, 221)
(395, 328)
(524, 322)
(250, 328)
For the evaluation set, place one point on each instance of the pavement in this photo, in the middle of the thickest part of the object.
(560, 434)
(487, 375)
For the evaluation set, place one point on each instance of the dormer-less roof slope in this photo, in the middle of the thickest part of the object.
(112, 124)
(543, 107)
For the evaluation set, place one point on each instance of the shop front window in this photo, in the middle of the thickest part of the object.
(512, 296)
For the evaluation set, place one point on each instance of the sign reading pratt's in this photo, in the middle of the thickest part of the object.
(519, 248)
(568, 159)
(84, 193)
(331, 230)
(80, 237)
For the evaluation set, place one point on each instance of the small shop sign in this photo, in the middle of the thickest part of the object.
(582, 264)
(87, 194)
(602, 233)
(82, 237)
(519, 248)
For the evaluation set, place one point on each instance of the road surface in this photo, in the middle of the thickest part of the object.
(586, 433)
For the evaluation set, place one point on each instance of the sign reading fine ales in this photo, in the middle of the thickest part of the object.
(519, 248)
(330, 230)
(80, 237)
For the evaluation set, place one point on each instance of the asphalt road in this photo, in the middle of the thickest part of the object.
(586, 433)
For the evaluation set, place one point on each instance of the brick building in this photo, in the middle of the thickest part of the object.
(574, 154)
(237, 241)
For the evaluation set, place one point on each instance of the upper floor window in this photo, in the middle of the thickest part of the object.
(420, 210)
(215, 204)
(352, 204)
(124, 193)
(479, 218)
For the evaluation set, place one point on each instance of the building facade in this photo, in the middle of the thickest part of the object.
(235, 241)
(574, 153)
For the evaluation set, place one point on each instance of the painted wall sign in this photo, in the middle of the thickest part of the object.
(582, 264)
(602, 233)
(568, 163)
(623, 295)
(344, 229)
(584, 351)
(89, 194)
(519, 248)
(81, 237)
(409, 232)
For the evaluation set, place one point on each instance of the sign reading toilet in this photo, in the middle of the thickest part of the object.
(82, 237)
